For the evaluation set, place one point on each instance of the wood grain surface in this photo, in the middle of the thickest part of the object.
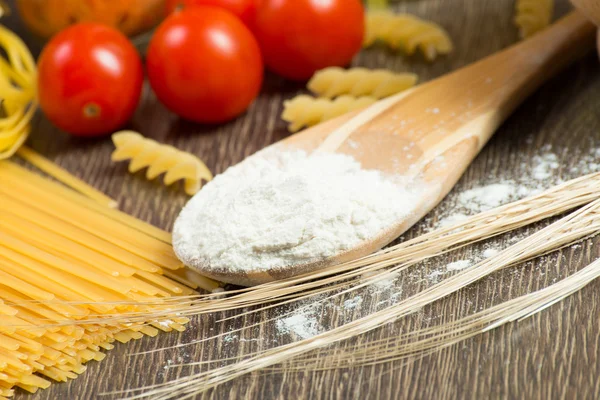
(554, 355)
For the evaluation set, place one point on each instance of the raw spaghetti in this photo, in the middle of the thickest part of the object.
(63, 176)
(66, 269)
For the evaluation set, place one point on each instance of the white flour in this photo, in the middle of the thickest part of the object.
(451, 220)
(490, 252)
(280, 208)
(458, 265)
(352, 303)
(544, 166)
(302, 325)
(537, 175)
(490, 196)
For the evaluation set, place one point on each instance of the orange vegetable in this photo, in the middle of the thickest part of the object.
(47, 17)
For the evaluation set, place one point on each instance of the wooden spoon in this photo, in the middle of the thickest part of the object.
(444, 124)
(591, 9)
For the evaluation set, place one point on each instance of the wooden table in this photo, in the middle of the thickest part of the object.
(552, 355)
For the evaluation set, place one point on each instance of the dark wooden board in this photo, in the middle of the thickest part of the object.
(552, 355)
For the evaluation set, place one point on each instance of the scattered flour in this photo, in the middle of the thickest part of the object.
(434, 276)
(587, 163)
(534, 176)
(489, 196)
(352, 303)
(229, 338)
(352, 144)
(538, 174)
(452, 219)
(303, 325)
(490, 253)
(458, 265)
(387, 281)
(284, 207)
(385, 284)
(544, 166)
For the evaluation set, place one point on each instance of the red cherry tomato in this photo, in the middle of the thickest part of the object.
(204, 64)
(243, 9)
(299, 37)
(90, 79)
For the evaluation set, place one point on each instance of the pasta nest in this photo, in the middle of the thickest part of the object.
(18, 77)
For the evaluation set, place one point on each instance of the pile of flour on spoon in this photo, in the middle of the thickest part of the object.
(285, 207)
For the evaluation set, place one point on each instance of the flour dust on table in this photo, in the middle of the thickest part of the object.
(283, 207)
(539, 173)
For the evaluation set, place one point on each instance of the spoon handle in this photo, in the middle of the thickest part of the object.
(590, 8)
(489, 91)
(469, 103)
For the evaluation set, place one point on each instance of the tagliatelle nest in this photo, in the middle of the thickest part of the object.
(18, 82)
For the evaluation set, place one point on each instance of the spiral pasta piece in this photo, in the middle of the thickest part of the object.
(377, 3)
(407, 33)
(303, 111)
(160, 158)
(378, 83)
(532, 16)
(18, 76)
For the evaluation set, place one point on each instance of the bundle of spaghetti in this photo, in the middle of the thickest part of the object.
(303, 111)
(378, 83)
(68, 265)
(407, 33)
(17, 92)
(160, 158)
(532, 16)
(63, 176)
(94, 206)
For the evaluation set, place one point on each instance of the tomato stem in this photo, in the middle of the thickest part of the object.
(91, 110)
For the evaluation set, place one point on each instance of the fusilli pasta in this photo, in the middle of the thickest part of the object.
(160, 158)
(17, 92)
(378, 83)
(532, 16)
(407, 33)
(377, 3)
(303, 110)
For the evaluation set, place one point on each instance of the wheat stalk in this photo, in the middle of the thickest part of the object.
(569, 229)
(430, 339)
